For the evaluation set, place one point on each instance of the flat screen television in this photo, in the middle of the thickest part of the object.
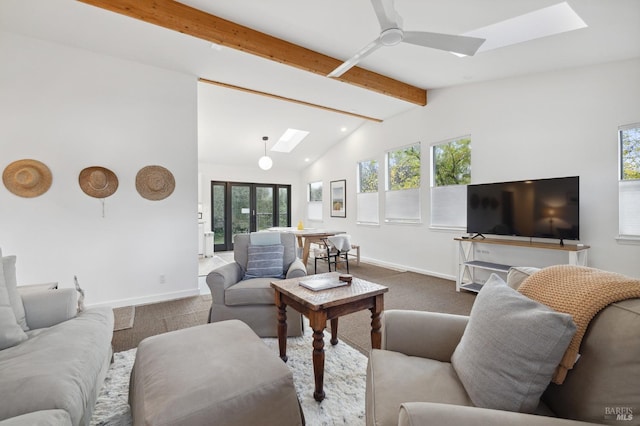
(542, 208)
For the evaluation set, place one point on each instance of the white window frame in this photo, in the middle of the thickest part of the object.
(448, 202)
(402, 206)
(367, 203)
(314, 208)
(628, 196)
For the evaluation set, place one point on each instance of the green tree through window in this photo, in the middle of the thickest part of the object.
(367, 192)
(451, 172)
(368, 176)
(404, 168)
(452, 162)
(283, 207)
(630, 153)
(218, 214)
(314, 206)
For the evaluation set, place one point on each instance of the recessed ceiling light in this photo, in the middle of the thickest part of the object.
(343, 129)
(306, 160)
(289, 140)
(552, 20)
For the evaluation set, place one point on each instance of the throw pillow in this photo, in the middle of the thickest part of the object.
(265, 261)
(264, 238)
(9, 265)
(517, 275)
(510, 348)
(10, 331)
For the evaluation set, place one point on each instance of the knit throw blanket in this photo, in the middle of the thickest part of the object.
(581, 292)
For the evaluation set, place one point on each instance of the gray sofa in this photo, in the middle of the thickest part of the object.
(56, 417)
(412, 381)
(54, 372)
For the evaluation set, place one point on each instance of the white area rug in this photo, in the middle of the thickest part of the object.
(344, 384)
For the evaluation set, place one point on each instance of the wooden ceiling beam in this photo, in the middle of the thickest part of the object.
(282, 98)
(188, 20)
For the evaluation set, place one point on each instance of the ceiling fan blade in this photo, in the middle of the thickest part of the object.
(351, 62)
(452, 43)
(386, 13)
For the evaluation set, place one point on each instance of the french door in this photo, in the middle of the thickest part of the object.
(239, 208)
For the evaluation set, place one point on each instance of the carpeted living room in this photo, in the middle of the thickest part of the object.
(348, 373)
(345, 363)
(181, 179)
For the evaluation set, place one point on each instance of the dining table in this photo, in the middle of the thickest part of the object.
(306, 237)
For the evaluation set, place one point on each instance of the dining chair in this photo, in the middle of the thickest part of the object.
(334, 251)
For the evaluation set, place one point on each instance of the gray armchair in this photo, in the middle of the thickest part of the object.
(411, 380)
(252, 300)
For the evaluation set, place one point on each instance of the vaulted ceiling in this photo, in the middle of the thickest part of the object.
(284, 48)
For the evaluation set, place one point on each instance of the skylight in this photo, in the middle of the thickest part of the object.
(552, 20)
(289, 140)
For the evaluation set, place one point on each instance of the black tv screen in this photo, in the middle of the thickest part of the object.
(543, 208)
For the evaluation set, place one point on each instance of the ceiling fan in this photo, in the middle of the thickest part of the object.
(392, 33)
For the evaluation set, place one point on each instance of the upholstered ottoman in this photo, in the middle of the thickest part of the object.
(220, 373)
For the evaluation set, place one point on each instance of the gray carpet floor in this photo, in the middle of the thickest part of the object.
(407, 290)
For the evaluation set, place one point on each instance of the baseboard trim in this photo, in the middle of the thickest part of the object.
(404, 268)
(145, 300)
(201, 290)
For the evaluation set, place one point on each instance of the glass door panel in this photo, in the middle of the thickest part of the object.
(284, 209)
(218, 216)
(240, 210)
(264, 208)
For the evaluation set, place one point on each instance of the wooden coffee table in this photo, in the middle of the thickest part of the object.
(323, 305)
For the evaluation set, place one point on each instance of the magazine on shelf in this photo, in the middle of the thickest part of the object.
(322, 283)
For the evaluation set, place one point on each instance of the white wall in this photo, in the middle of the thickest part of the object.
(554, 124)
(71, 109)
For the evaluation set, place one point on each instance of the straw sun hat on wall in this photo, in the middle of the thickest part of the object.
(155, 183)
(98, 182)
(27, 178)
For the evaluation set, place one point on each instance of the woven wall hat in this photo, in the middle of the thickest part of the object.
(27, 178)
(98, 182)
(155, 183)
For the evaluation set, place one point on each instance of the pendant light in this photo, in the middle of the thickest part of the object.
(265, 162)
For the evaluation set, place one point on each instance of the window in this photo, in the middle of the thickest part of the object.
(402, 196)
(451, 172)
(367, 197)
(314, 206)
(629, 181)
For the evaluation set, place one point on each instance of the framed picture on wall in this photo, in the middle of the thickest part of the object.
(338, 198)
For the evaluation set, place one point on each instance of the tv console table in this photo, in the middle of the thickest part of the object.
(576, 255)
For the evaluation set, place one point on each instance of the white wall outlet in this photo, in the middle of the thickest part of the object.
(162, 279)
